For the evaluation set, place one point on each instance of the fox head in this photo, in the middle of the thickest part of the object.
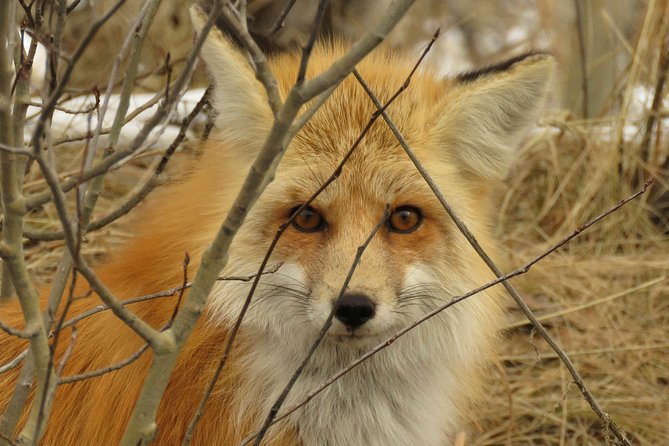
(464, 130)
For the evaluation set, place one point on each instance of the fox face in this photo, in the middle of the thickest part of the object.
(464, 132)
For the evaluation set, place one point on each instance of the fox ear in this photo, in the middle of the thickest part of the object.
(244, 116)
(487, 112)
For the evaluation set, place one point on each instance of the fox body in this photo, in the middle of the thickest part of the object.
(417, 391)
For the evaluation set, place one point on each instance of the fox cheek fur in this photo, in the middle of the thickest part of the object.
(419, 390)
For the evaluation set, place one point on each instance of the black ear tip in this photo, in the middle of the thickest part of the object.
(500, 67)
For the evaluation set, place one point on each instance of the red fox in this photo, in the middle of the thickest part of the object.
(417, 391)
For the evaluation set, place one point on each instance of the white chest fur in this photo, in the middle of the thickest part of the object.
(402, 396)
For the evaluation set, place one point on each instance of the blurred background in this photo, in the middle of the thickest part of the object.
(605, 296)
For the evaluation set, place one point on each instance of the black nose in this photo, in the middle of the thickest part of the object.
(354, 309)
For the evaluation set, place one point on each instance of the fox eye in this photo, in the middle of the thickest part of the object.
(405, 219)
(308, 220)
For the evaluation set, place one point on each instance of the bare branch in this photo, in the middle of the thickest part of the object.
(104, 165)
(13, 207)
(103, 371)
(308, 48)
(68, 353)
(166, 293)
(51, 103)
(140, 327)
(23, 334)
(14, 150)
(106, 130)
(279, 22)
(73, 5)
(14, 362)
(135, 38)
(262, 69)
(141, 193)
(658, 95)
(52, 381)
(100, 308)
(132, 358)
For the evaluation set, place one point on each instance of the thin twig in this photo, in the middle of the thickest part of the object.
(163, 109)
(584, 60)
(140, 194)
(156, 339)
(308, 48)
(23, 334)
(14, 150)
(103, 371)
(69, 111)
(73, 5)
(166, 293)
(136, 355)
(14, 362)
(14, 262)
(68, 351)
(279, 22)
(83, 45)
(262, 68)
(144, 330)
(181, 293)
(50, 387)
(658, 96)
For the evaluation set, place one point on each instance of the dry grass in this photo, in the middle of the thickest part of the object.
(604, 297)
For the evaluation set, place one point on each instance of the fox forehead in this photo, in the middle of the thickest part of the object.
(340, 120)
(378, 169)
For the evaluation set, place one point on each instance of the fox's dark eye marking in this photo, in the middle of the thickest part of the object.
(405, 219)
(308, 220)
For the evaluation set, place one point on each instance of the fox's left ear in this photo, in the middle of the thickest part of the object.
(244, 116)
(487, 112)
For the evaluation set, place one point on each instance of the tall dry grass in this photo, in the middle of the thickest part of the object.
(605, 296)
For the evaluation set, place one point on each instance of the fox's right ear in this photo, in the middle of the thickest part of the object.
(487, 112)
(244, 116)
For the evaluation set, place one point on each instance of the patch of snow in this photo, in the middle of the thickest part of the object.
(68, 125)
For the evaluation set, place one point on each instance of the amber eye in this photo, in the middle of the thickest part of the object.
(405, 219)
(308, 220)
